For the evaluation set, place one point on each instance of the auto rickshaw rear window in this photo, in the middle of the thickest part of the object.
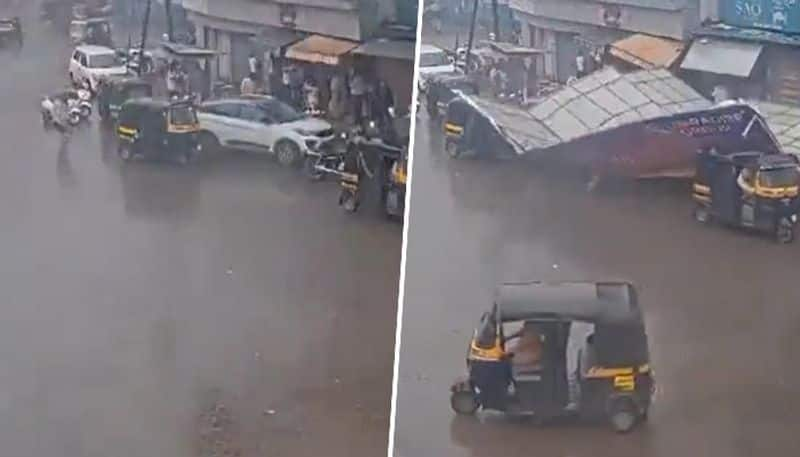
(182, 115)
(779, 177)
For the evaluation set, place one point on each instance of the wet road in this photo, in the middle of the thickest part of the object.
(134, 296)
(721, 309)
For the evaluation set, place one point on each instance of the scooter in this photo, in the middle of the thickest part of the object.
(83, 104)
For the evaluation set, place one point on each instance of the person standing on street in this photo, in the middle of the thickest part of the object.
(383, 100)
(358, 92)
(580, 65)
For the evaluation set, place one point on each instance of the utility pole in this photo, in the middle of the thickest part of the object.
(145, 23)
(496, 21)
(471, 35)
(170, 26)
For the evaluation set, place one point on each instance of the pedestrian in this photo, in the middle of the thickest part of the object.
(336, 102)
(358, 92)
(383, 99)
(174, 85)
(248, 86)
(580, 65)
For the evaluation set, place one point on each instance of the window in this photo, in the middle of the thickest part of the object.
(433, 59)
(182, 115)
(281, 112)
(103, 61)
(253, 113)
(83, 60)
(223, 109)
(779, 177)
(76, 56)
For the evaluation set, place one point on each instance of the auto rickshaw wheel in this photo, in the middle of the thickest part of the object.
(183, 159)
(125, 152)
(464, 402)
(784, 232)
(452, 149)
(623, 415)
(701, 214)
(287, 153)
(349, 201)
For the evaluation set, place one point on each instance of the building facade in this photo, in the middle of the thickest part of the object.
(749, 47)
(565, 29)
(239, 28)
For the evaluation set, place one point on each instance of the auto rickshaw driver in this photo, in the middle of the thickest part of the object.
(525, 348)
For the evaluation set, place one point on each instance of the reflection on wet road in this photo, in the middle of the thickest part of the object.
(132, 294)
(720, 306)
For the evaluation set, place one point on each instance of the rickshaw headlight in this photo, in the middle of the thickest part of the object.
(794, 217)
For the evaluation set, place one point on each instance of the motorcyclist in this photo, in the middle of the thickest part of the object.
(57, 110)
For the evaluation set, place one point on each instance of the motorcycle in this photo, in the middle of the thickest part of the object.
(83, 104)
(350, 171)
(65, 109)
(327, 159)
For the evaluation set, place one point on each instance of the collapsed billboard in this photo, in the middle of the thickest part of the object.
(643, 124)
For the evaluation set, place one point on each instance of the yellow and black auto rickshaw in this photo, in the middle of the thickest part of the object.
(442, 88)
(752, 190)
(158, 129)
(116, 90)
(585, 355)
(394, 190)
(470, 133)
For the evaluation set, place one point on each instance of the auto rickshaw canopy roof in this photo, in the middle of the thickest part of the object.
(595, 302)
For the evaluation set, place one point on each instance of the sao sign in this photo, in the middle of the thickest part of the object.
(780, 15)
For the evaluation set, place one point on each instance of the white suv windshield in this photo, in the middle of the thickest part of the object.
(433, 59)
(103, 61)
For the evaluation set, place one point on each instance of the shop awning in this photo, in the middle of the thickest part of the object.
(274, 37)
(724, 57)
(647, 52)
(182, 50)
(392, 49)
(510, 49)
(320, 49)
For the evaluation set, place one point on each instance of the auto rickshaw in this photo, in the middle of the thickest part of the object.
(468, 132)
(93, 31)
(592, 364)
(117, 90)
(158, 129)
(441, 89)
(751, 190)
(394, 187)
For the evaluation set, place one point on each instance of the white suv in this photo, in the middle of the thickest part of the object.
(89, 64)
(261, 124)
(433, 61)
